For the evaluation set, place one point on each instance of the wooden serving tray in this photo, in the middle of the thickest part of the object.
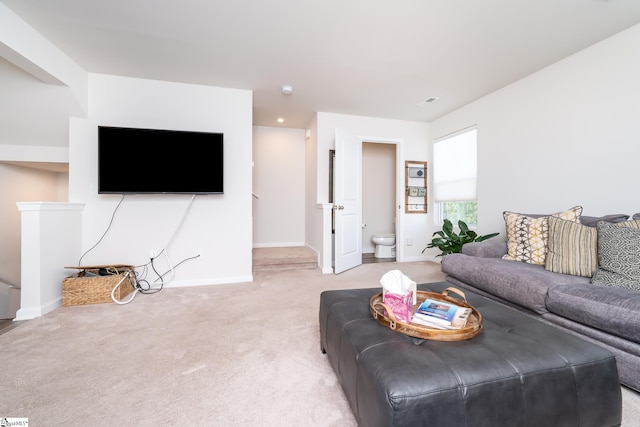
(472, 328)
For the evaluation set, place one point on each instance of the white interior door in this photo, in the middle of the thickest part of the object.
(347, 204)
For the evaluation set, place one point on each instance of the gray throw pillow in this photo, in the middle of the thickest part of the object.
(618, 255)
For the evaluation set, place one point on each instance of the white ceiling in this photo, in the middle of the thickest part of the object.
(377, 58)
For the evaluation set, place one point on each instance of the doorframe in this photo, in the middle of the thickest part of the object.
(400, 218)
(399, 143)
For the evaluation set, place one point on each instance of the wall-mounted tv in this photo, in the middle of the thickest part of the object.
(159, 161)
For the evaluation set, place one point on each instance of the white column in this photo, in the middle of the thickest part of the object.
(51, 240)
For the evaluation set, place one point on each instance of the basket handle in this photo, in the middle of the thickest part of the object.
(455, 291)
(392, 317)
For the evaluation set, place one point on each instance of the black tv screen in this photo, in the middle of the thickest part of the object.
(157, 161)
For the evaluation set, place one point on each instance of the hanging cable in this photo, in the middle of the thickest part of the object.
(160, 276)
(137, 282)
(184, 216)
(105, 231)
(166, 247)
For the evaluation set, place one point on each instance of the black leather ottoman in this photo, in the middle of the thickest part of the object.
(517, 372)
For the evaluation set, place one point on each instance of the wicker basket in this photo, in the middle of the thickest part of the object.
(89, 287)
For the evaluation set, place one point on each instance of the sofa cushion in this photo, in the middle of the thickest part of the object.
(492, 248)
(592, 221)
(527, 236)
(618, 255)
(573, 248)
(610, 309)
(522, 283)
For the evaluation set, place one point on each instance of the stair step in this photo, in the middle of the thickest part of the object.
(284, 258)
(291, 266)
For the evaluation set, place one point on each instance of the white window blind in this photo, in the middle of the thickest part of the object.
(455, 167)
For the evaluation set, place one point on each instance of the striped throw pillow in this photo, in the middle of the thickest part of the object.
(573, 248)
(634, 223)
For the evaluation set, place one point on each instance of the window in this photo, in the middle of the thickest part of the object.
(454, 177)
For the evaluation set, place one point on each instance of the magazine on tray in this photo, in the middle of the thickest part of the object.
(441, 314)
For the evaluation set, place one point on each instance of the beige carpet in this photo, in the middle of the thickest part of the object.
(226, 355)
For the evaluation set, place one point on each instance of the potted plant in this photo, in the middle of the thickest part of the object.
(449, 242)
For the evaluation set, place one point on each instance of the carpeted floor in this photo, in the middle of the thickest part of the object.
(225, 355)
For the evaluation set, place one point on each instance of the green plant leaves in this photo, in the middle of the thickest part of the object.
(449, 242)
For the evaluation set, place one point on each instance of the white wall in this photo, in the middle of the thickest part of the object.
(378, 191)
(413, 137)
(567, 135)
(278, 181)
(317, 212)
(218, 227)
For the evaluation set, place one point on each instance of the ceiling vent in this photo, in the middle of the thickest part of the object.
(427, 101)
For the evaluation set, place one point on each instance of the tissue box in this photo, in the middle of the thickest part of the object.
(398, 283)
(412, 288)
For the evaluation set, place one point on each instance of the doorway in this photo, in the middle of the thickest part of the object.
(390, 221)
(378, 197)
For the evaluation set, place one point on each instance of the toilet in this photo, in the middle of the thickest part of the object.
(385, 245)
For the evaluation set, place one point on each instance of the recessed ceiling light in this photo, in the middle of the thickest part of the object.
(287, 90)
(280, 120)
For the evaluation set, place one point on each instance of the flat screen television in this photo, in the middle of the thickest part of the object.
(158, 161)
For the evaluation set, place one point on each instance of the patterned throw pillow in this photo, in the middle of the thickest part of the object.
(618, 255)
(573, 248)
(527, 236)
(634, 223)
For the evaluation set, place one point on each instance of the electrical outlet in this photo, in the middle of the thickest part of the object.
(152, 253)
(409, 242)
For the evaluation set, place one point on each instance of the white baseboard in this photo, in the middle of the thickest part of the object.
(29, 313)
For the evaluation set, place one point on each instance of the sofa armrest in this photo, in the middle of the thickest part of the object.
(486, 249)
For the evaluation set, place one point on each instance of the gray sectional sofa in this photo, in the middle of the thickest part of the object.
(606, 315)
